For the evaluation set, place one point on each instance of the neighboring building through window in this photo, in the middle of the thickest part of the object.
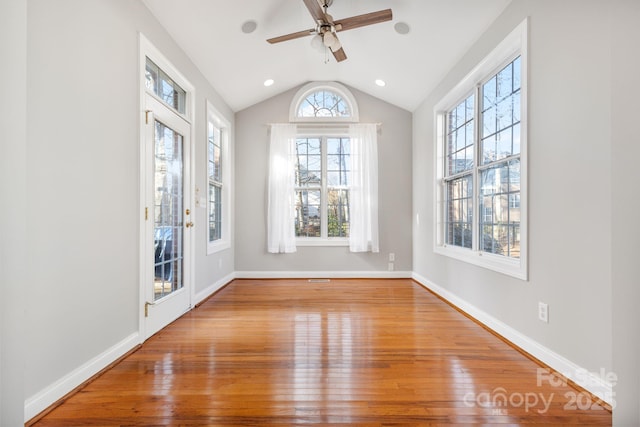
(481, 163)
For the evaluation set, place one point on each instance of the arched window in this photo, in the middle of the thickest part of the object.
(323, 102)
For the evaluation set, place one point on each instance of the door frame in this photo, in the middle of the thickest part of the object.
(147, 49)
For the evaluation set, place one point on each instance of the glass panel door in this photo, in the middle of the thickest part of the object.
(167, 224)
(168, 211)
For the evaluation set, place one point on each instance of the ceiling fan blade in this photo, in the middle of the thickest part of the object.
(339, 55)
(335, 46)
(292, 36)
(363, 20)
(315, 10)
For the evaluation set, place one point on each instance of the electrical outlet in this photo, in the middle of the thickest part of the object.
(392, 257)
(543, 312)
(391, 266)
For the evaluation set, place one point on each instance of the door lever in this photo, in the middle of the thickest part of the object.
(146, 308)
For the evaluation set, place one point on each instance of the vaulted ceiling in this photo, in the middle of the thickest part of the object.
(237, 63)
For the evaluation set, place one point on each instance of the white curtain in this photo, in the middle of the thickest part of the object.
(281, 207)
(363, 224)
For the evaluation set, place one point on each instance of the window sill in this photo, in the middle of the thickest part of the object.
(510, 266)
(311, 241)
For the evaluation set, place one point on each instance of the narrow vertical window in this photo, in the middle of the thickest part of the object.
(218, 182)
(215, 182)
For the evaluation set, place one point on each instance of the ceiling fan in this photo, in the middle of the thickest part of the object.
(326, 27)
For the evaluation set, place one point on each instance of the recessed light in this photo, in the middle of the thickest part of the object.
(269, 82)
(249, 27)
(402, 28)
(381, 83)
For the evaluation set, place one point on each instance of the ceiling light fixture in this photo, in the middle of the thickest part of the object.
(402, 28)
(381, 83)
(317, 44)
(249, 27)
(331, 41)
(269, 82)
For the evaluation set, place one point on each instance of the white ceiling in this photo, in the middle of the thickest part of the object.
(236, 64)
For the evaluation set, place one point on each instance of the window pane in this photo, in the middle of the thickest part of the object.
(489, 121)
(501, 115)
(459, 215)
(338, 161)
(504, 146)
(505, 82)
(460, 137)
(338, 213)
(164, 87)
(307, 223)
(323, 103)
(215, 212)
(500, 208)
(308, 162)
(215, 153)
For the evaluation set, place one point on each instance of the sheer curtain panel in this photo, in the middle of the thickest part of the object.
(363, 224)
(281, 208)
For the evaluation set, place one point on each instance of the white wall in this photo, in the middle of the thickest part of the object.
(626, 205)
(13, 110)
(394, 153)
(570, 185)
(82, 166)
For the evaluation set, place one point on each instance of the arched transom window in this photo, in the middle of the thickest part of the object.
(324, 102)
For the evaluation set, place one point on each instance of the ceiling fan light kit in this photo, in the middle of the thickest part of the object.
(327, 29)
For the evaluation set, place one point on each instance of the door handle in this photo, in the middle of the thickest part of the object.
(189, 224)
(146, 308)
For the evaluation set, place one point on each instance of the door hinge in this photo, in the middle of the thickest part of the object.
(146, 214)
(146, 116)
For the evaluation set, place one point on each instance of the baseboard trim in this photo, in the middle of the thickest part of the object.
(323, 275)
(47, 397)
(213, 288)
(589, 381)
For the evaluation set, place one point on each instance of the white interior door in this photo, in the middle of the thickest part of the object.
(167, 286)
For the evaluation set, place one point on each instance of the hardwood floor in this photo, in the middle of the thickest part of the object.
(347, 352)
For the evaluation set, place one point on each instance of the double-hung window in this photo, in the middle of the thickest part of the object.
(481, 163)
(322, 188)
(218, 182)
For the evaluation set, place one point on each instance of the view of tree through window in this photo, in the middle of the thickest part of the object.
(322, 187)
(323, 103)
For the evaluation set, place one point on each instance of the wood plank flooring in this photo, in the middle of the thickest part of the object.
(347, 352)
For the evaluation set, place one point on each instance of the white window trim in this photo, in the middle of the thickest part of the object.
(309, 88)
(214, 116)
(516, 43)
